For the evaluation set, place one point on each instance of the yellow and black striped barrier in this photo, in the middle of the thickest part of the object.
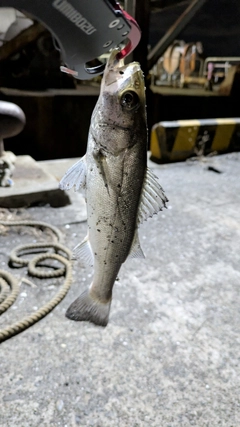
(173, 141)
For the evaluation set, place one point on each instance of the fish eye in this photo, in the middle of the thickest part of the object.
(129, 100)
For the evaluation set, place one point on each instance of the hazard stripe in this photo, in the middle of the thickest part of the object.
(179, 140)
(154, 144)
(223, 135)
(185, 140)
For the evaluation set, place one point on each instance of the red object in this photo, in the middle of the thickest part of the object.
(134, 37)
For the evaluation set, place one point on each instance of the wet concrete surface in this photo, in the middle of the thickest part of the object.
(32, 185)
(170, 353)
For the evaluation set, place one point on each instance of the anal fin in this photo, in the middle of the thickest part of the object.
(83, 251)
(136, 250)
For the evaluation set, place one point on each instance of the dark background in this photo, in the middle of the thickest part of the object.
(57, 125)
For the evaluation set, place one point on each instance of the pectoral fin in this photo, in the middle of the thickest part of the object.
(153, 198)
(75, 176)
(101, 162)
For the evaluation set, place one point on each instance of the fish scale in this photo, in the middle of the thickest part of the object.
(121, 192)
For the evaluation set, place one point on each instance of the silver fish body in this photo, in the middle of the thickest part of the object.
(120, 191)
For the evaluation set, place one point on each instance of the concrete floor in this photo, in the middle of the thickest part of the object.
(170, 354)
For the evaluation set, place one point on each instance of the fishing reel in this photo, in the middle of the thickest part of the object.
(83, 30)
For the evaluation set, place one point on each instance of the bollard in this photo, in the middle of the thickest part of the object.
(12, 122)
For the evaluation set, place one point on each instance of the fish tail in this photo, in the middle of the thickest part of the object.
(87, 308)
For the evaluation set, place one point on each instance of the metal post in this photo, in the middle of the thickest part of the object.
(140, 10)
(173, 32)
(1, 148)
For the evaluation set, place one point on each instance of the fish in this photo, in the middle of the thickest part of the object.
(120, 190)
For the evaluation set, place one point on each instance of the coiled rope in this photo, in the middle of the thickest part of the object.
(9, 287)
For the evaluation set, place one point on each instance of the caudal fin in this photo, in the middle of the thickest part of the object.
(89, 309)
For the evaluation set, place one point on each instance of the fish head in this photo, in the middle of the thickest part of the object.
(123, 89)
(121, 107)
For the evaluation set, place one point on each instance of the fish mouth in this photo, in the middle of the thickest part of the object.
(116, 72)
(113, 61)
(113, 124)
